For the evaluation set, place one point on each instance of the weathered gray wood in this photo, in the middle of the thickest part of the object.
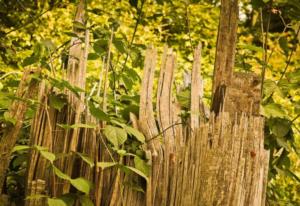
(196, 89)
(225, 51)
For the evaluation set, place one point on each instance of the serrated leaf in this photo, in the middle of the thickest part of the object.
(86, 159)
(56, 202)
(115, 135)
(104, 165)
(20, 147)
(81, 184)
(137, 134)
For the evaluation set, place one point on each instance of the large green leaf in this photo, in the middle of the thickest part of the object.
(138, 172)
(115, 135)
(60, 174)
(141, 165)
(81, 184)
(20, 147)
(137, 134)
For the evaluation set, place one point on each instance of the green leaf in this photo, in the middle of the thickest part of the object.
(273, 110)
(57, 101)
(280, 127)
(48, 155)
(30, 60)
(71, 34)
(100, 46)
(284, 46)
(60, 174)
(97, 112)
(20, 147)
(93, 56)
(78, 125)
(9, 118)
(115, 135)
(79, 25)
(86, 158)
(56, 202)
(137, 134)
(68, 198)
(138, 172)
(85, 201)
(104, 165)
(118, 43)
(141, 165)
(81, 184)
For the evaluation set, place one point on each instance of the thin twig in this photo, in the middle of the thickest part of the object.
(265, 45)
(169, 127)
(289, 58)
(134, 32)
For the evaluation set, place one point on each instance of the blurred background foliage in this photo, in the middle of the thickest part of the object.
(37, 33)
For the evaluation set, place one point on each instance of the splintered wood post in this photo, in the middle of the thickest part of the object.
(76, 73)
(196, 89)
(26, 90)
(225, 52)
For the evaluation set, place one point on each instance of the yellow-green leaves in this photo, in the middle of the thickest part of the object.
(115, 135)
(81, 184)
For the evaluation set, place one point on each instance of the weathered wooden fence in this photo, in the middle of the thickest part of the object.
(219, 160)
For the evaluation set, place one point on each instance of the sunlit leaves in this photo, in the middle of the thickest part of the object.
(81, 184)
(273, 110)
(115, 135)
